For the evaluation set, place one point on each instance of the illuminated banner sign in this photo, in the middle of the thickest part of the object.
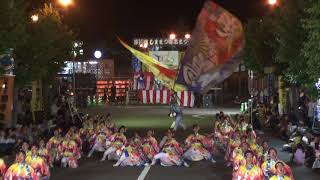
(103, 68)
(161, 41)
(169, 58)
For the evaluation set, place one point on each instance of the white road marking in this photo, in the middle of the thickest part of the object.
(198, 116)
(173, 124)
(144, 173)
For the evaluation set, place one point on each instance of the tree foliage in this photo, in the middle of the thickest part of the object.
(259, 50)
(287, 37)
(49, 44)
(13, 30)
(40, 48)
(311, 46)
(13, 19)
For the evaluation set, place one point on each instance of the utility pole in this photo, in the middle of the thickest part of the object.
(251, 91)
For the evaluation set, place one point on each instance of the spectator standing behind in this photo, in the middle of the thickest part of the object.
(302, 105)
(54, 108)
(198, 100)
(237, 100)
(141, 82)
(113, 93)
(274, 120)
(256, 122)
(293, 118)
(311, 112)
(105, 94)
(284, 128)
(266, 95)
(127, 95)
(299, 155)
(316, 145)
(3, 142)
(310, 157)
(261, 97)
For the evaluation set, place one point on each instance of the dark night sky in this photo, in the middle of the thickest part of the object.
(97, 21)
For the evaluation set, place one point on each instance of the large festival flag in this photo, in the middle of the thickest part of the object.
(162, 72)
(214, 50)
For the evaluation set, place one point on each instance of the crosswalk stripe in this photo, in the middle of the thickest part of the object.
(144, 173)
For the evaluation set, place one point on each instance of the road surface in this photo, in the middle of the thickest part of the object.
(139, 119)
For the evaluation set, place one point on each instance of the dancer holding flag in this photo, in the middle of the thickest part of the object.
(177, 110)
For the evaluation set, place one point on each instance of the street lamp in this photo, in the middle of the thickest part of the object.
(172, 36)
(251, 88)
(187, 36)
(35, 18)
(65, 3)
(81, 51)
(272, 2)
(97, 54)
(75, 52)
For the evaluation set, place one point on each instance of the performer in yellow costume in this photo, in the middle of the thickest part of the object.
(171, 152)
(196, 150)
(44, 153)
(3, 168)
(248, 170)
(150, 145)
(69, 152)
(269, 168)
(20, 169)
(38, 164)
(280, 172)
(118, 143)
(52, 146)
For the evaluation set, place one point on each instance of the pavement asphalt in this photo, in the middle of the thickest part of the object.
(92, 169)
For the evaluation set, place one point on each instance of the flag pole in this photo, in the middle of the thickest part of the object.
(178, 70)
(174, 84)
